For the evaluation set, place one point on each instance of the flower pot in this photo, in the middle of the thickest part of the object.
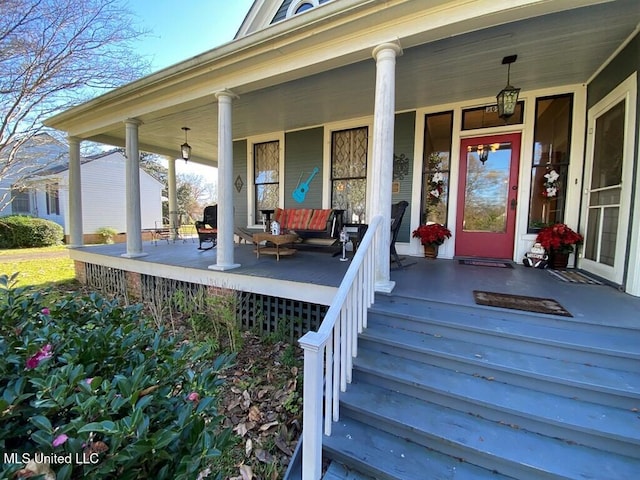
(558, 260)
(430, 251)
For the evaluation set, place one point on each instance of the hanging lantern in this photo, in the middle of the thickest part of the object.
(185, 148)
(508, 96)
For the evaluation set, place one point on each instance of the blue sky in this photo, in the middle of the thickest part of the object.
(181, 29)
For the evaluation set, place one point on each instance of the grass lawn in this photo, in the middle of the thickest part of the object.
(38, 267)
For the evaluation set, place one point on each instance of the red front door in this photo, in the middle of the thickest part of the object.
(487, 196)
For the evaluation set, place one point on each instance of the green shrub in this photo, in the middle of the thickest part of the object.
(87, 378)
(211, 317)
(20, 231)
(107, 234)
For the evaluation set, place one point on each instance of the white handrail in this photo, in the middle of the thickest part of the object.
(329, 352)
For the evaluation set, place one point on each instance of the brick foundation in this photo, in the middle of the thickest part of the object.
(80, 271)
(134, 286)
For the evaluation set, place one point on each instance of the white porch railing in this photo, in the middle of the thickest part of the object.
(329, 352)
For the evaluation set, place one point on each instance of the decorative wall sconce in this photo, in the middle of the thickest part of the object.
(508, 96)
(483, 151)
(483, 154)
(185, 148)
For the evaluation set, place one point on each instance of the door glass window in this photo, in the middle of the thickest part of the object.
(487, 187)
(606, 186)
(349, 173)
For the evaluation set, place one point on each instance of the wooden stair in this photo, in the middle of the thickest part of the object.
(443, 391)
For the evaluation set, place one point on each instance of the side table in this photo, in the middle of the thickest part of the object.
(356, 232)
(280, 242)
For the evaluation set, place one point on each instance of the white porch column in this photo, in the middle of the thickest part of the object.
(76, 237)
(173, 198)
(224, 251)
(132, 182)
(382, 171)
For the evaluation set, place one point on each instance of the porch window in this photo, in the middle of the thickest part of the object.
(349, 173)
(53, 199)
(266, 167)
(550, 165)
(436, 166)
(21, 201)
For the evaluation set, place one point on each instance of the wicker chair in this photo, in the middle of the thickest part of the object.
(208, 228)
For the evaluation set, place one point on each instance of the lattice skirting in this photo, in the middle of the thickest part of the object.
(110, 281)
(261, 313)
(275, 314)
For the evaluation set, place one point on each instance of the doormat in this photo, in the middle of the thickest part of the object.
(571, 276)
(519, 302)
(485, 263)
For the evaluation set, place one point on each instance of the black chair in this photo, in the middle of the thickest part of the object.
(208, 228)
(397, 213)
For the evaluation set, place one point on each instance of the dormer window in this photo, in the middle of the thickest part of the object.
(299, 6)
(303, 7)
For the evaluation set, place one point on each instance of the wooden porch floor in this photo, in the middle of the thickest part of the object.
(314, 276)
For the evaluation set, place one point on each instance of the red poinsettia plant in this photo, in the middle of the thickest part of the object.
(558, 238)
(432, 234)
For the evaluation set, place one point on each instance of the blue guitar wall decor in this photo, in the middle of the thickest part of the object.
(300, 192)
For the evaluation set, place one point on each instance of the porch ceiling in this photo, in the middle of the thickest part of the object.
(561, 48)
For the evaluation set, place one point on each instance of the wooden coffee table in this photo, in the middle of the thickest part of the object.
(280, 242)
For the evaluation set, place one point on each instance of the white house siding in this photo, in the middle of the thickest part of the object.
(104, 195)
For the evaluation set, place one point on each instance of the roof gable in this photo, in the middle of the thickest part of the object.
(35, 155)
(267, 12)
(114, 158)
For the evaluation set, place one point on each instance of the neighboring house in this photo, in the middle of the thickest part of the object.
(45, 194)
(347, 85)
(34, 157)
(103, 194)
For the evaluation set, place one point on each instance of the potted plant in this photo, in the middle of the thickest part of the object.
(559, 241)
(431, 236)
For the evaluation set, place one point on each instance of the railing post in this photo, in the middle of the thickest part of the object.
(328, 352)
(312, 412)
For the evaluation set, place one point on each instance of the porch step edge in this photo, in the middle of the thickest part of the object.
(596, 425)
(401, 302)
(578, 347)
(337, 471)
(384, 456)
(582, 376)
(615, 341)
(487, 444)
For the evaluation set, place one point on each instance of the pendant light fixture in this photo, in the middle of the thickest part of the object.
(508, 96)
(185, 148)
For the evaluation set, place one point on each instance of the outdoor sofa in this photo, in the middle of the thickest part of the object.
(314, 226)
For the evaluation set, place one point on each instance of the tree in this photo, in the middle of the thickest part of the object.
(55, 54)
(193, 194)
(192, 191)
(151, 163)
